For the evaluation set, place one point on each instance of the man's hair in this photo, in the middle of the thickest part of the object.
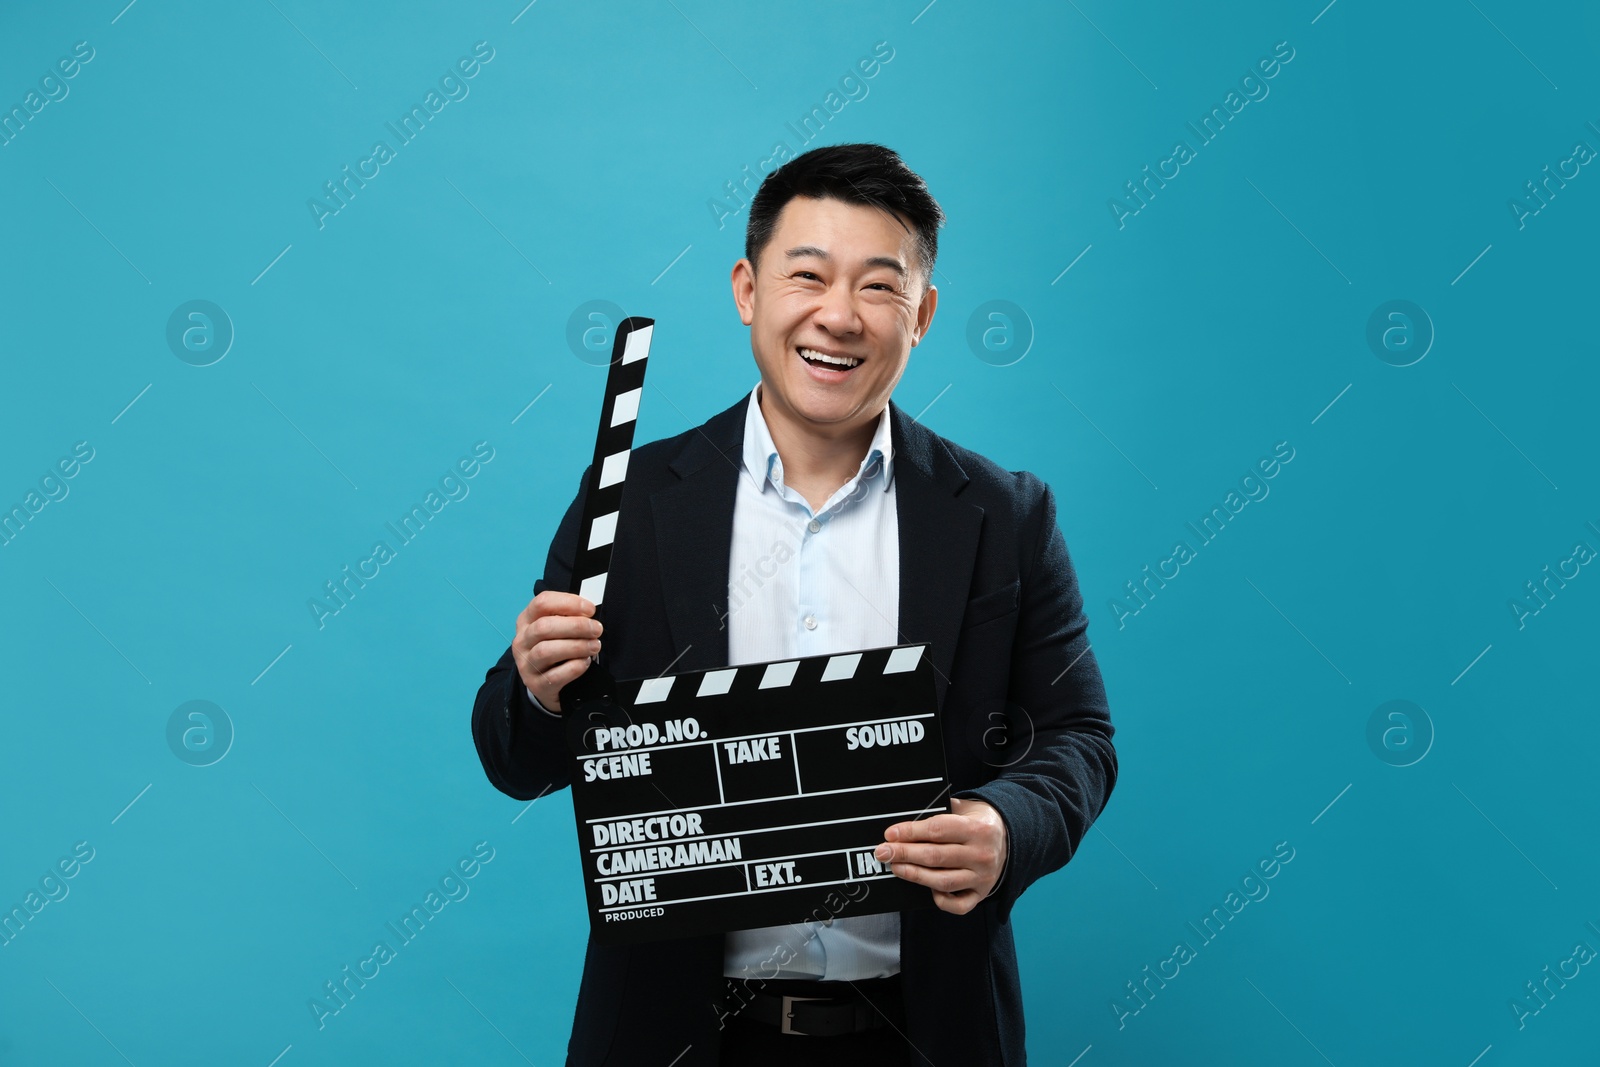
(856, 174)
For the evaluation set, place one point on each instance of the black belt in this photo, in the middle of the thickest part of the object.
(826, 1009)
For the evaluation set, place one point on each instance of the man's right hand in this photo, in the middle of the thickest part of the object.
(556, 636)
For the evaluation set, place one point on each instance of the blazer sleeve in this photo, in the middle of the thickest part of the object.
(1051, 796)
(524, 749)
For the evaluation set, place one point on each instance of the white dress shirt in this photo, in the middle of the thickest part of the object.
(810, 584)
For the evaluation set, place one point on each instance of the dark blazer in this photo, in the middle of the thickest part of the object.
(985, 579)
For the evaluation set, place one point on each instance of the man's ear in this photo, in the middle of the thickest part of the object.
(925, 310)
(744, 290)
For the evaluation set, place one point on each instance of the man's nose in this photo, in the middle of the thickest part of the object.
(838, 313)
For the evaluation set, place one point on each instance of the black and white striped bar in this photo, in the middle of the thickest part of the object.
(612, 445)
(755, 795)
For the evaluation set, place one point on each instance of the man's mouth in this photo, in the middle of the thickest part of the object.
(828, 362)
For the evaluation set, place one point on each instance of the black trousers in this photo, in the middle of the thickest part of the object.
(749, 1043)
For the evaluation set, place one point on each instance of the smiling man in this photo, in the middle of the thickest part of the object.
(815, 516)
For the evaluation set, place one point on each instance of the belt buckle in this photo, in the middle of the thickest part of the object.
(785, 1021)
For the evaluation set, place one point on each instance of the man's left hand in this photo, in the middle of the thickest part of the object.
(959, 856)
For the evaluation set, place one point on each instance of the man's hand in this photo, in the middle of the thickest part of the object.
(556, 636)
(959, 856)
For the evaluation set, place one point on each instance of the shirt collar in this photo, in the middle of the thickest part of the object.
(761, 457)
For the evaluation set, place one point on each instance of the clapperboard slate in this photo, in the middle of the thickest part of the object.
(747, 796)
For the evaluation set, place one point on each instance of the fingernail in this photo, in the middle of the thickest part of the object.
(883, 852)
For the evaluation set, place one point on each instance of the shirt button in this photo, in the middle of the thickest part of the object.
(814, 526)
(811, 622)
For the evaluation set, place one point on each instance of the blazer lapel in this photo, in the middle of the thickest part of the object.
(938, 541)
(694, 536)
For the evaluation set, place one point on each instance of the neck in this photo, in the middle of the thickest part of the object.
(816, 459)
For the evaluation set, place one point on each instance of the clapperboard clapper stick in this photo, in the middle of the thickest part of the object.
(590, 698)
(737, 797)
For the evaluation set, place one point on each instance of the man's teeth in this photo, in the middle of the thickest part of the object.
(842, 361)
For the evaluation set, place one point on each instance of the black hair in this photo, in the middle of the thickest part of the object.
(856, 174)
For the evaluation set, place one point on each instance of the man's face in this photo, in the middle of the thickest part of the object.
(836, 280)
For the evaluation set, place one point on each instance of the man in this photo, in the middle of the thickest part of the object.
(815, 516)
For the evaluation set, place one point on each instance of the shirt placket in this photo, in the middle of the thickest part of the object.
(810, 612)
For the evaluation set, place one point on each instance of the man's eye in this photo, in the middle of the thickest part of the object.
(804, 274)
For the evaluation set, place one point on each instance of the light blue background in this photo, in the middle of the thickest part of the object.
(1226, 316)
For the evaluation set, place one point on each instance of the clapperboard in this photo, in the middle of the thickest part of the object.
(746, 796)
